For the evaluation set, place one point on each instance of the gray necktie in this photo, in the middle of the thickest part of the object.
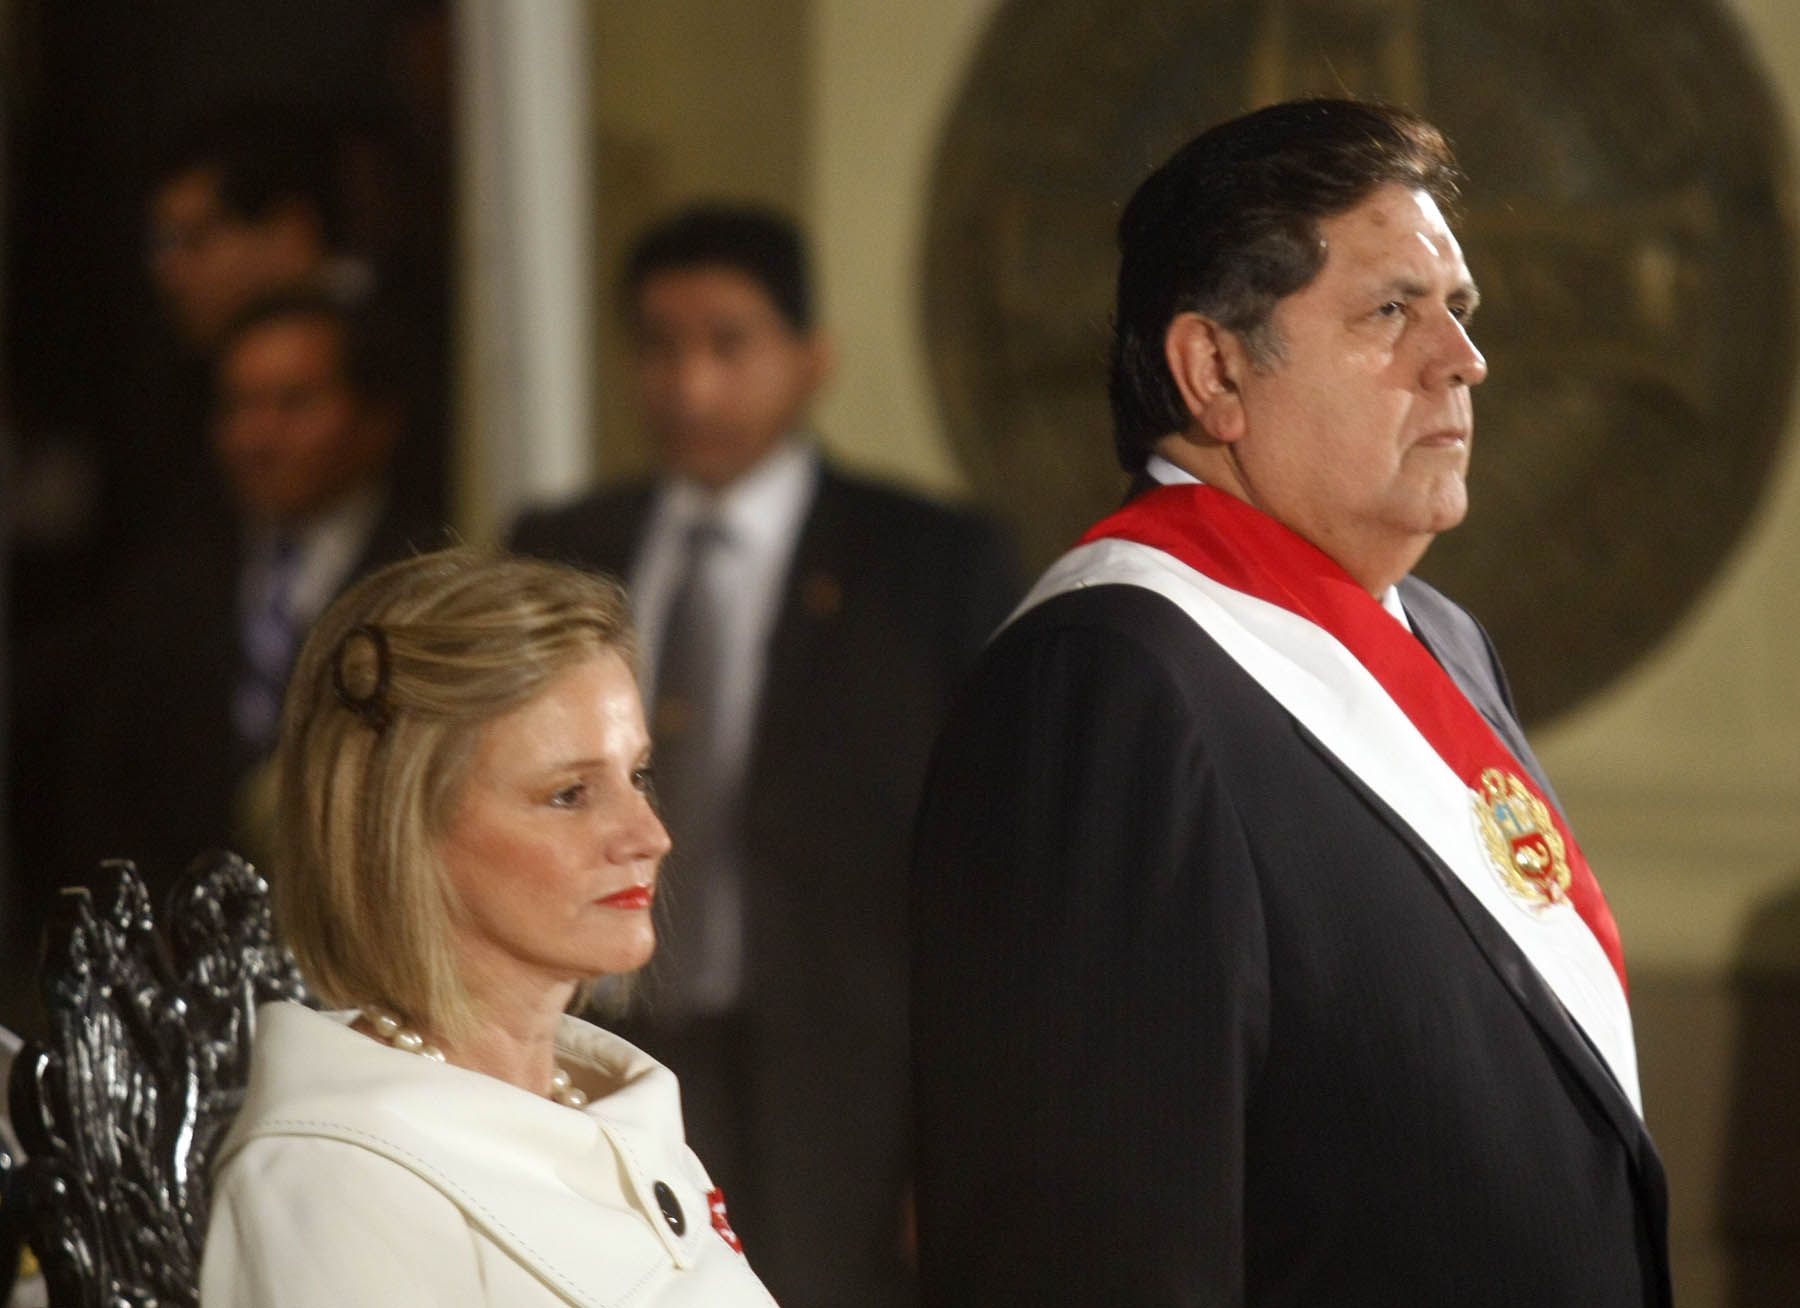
(699, 960)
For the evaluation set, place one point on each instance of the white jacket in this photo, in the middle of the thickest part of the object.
(357, 1174)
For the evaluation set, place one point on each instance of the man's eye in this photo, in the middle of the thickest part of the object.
(643, 780)
(1392, 309)
(570, 796)
(1463, 313)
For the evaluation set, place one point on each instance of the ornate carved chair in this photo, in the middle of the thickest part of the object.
(120, 1108)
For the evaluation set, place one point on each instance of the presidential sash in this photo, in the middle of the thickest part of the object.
(1373, 695)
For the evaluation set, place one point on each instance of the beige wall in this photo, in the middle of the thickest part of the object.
(887, 75)
(1686, 776)
(1685, 780)
(692, 99)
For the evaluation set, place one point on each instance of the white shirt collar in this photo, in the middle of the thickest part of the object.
(1160, 470)
(1165, 473)
(327, 546)
(754, 509)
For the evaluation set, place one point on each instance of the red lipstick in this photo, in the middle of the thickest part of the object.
(630, 897)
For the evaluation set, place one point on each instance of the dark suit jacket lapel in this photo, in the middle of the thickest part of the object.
(613, 535)
(812, 599)
(1461, 651)
(1522, 980)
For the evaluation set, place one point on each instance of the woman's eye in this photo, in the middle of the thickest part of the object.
(643, 780)
(570, 796)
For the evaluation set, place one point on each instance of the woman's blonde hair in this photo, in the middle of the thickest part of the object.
(387, 698)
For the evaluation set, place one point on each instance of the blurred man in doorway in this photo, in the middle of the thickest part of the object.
(161, 704)
(242, 208)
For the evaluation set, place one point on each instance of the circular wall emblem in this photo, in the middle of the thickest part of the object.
(1622, 215)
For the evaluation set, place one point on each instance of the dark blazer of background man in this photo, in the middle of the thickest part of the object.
(871, 605)
(1200, 1018)
(150, 715)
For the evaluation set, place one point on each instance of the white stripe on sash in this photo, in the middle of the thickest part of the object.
(1324, 687)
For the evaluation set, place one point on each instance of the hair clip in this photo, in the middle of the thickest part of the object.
(372, 706)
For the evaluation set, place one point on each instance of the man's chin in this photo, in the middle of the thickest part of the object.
(1445, 505)
(713, 465)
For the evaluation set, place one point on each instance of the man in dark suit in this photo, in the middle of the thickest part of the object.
(151, 716)
(240, 205)
(1254, 961)
(803, 630)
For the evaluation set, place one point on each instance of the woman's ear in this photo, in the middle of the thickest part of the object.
(1206, 361)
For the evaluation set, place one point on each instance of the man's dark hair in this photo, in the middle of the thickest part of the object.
(1230, 225)
(760, 243)
(375, 363)
(264, 157)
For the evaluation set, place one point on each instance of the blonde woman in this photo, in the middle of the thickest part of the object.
(466, 835)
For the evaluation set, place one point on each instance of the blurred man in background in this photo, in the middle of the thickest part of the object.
(803, 630)
(239, 205)
(156, 711)
(242, 204)
(241, 208)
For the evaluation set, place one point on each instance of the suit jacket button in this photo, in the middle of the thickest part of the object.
(671, 1207)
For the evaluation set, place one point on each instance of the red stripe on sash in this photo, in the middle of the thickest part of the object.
(1243, 548)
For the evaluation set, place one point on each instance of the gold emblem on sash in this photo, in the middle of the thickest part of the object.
(1522, 840)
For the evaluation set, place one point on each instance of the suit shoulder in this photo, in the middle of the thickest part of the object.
(1115, 625)
(926, 557)
(600, 502)
(596, 528)
(1426, 602)
(184, 580)
(1135, 614)
(1449, 629)
(896, 509)
(1459, 641)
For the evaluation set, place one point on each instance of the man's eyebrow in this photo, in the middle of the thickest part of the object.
(1399, 288)
(1407, 288)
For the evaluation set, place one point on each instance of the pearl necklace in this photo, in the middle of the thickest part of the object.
(388, 1028)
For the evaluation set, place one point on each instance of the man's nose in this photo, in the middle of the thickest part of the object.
(1455, 360)
(696, 381)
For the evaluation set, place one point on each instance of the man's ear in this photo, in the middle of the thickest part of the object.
(821, 361)
(1206, 361)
